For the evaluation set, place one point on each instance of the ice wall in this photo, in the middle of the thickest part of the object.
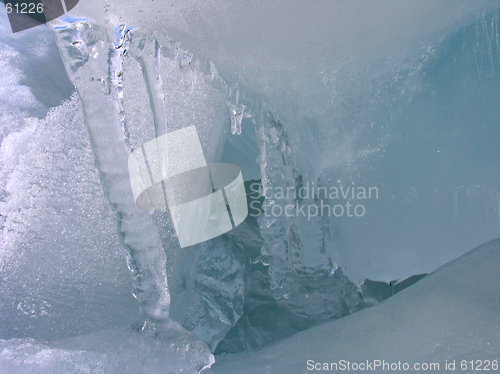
(61, 265)
(444, 318)
(135, 87)
(31, 75)
(336, 100)
(61, 260)
(394, 95)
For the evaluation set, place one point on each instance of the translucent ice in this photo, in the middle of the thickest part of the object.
(147, 349)
(445, 317)
(396, 96)
(350, 105)
(61, 262)
(32, 79)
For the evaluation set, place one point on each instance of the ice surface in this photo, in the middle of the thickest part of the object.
(95, 69)
(32, 79)
(397, 95)
(446, 316)
(208, 288)
(61, 262)
(126, 99)
(312, 297)
(63, 269)
(147, 349)
(359, 100)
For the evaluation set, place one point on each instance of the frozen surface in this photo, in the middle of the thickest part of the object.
(147, 349)
(446, 316)
(208, 288)
(31, 78)
(397, 95)
(354, 94)
(129, 86)
(312, 298)
(61, 263)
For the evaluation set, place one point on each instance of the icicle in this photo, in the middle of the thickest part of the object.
(237, 111)
(147, 52)
(104, 120)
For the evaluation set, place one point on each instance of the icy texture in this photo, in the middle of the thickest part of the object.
(61, 264)
(277, 170)
(32, 77)
(146, 350)
(94, 68)
(391, 94)
(208, 288)
(359, 100)
(358, 120)
(312, 297)
(126, 100)
(446, 316)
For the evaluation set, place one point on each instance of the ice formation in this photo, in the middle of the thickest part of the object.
(394, 96)
(445, 317)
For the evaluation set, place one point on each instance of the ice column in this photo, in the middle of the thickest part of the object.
(93, 65)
